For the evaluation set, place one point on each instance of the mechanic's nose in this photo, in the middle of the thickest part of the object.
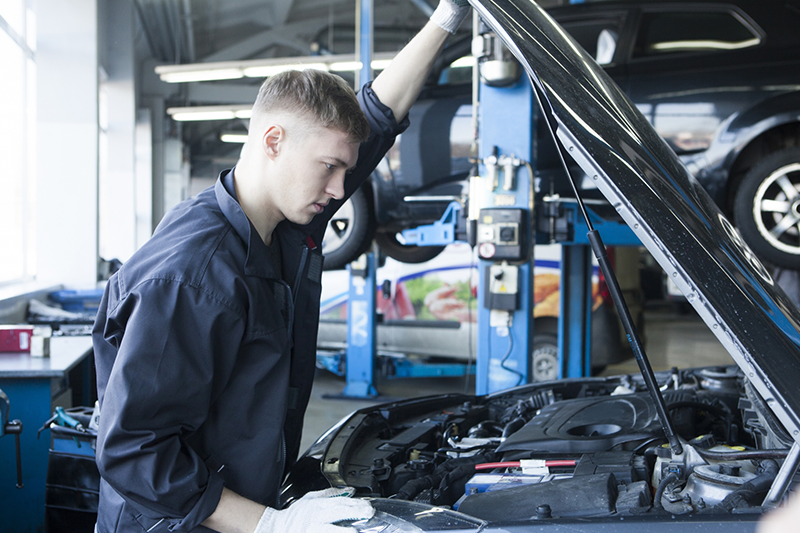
(335, 186)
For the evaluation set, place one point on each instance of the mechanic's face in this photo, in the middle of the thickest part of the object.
(311, 168)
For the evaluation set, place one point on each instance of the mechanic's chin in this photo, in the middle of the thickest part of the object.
(306, 216)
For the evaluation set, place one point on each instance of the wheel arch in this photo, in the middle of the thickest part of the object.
(763, 134)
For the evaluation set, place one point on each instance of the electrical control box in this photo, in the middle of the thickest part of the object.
(502, 281)
(502, 234)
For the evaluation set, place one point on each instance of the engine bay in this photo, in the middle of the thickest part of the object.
(587, 447)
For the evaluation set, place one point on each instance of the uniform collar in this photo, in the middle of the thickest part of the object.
(258, 262)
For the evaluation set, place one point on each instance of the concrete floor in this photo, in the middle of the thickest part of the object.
(671, 339)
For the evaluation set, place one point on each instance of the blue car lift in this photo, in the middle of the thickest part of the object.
(507, 143)
(361, 358)
(575, 304)
(361, 355)
(508, 133)
(361, 330)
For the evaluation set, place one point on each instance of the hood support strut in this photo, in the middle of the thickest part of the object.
(599, 250)
(785, 475)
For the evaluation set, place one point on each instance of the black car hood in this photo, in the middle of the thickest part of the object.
(659, 199)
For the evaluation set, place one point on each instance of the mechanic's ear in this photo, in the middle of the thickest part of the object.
(272, 140)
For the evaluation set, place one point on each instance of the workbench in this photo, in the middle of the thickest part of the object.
(35, 386)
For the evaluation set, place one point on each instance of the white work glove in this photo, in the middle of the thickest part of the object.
(450, 13)
(316, 512)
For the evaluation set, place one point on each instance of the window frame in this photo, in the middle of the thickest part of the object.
(687, 9)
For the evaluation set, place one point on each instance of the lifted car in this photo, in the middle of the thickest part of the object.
(718, 80)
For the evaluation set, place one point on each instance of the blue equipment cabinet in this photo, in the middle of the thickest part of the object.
(32, 384)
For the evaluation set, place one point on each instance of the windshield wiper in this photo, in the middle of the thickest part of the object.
(600, 253)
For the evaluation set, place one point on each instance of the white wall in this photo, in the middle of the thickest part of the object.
(117, 233)
(67, 140)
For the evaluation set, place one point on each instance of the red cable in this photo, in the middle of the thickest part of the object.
(489, 466)
(516, 464)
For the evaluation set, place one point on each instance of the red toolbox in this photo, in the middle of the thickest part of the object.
(15, 338)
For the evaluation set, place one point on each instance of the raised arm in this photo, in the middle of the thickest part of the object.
(400, 83)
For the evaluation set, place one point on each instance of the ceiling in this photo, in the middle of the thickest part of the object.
(192, 31)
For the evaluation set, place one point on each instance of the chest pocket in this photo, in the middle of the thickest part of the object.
(270, 315)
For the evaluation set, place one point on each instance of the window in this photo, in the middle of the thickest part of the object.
(675, 32)
(598, 36)
(17, 141)
(458, 72)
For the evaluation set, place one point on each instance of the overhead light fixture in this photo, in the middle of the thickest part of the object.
(210, 112)
(266, 71)
(202, 75)
(463, 62)
(240, 138)
(262, 68)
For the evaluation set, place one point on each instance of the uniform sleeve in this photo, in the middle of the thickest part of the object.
(383, 129)
(176, 353)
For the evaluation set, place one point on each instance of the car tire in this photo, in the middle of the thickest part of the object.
(544, 357)
(767, 208)
(387, 241)
(350, 231)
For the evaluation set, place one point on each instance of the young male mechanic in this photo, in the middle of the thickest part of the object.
(205, 340)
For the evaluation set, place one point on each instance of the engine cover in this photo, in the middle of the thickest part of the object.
(588, 425)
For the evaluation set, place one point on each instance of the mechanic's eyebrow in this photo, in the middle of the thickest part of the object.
(342, 163)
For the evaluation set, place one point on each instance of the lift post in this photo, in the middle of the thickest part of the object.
(361, 328)
(510, 155)
(504, 235)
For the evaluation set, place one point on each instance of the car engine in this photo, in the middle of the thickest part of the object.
(570, 448)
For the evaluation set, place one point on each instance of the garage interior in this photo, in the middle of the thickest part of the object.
(109, 122)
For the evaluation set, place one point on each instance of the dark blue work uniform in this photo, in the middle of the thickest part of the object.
(205, 346)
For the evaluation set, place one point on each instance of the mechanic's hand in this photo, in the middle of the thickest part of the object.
(316, 512)
(449, 14)
(782, 519)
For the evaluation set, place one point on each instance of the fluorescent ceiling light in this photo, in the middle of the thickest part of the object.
(233, 137)
(262, 68)
(210, 112)
(461, 62)
(266, 70)
(348, 66)
(380, 64)
(202, 75)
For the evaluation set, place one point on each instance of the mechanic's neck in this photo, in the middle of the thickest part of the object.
(263, 218)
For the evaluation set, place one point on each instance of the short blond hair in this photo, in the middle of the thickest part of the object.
(321, 96)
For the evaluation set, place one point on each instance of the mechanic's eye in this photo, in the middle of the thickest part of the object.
(328, 166)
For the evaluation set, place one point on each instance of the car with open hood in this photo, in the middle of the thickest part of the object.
(706, 449)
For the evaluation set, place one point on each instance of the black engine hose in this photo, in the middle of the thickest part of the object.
(744, 495)
(661, 488)
(485, 429)
(414, 487)
(453, 483)
(744, 454)
(513, 426)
